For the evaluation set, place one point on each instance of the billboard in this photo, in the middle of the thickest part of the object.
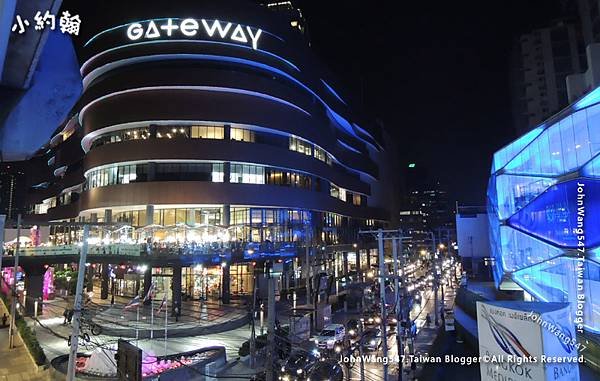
(527, 341)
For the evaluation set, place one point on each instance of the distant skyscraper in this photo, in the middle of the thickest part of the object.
(541, 61)
(288, 9)
(589, 14)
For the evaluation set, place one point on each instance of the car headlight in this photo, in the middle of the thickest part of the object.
(352, 332)
(299, 371)
(370, 320)
(377, 320)
(338, 349)
(283, 368)
(373, 342)
(395, 320)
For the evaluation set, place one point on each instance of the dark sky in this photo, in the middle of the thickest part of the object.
(435, 72)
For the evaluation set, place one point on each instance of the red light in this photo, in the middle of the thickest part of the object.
(122, 267)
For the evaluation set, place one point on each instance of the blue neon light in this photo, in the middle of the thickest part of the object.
(347, 146)
(334, 116)
(332, 91)
(287, 62)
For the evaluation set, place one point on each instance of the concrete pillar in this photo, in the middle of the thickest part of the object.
(227, 132)
(147, 282)
(176, 288)
(226, 172)
(104, 282)
(149, 214)
(358, 268)
(226, 282)
(107, 216)
(345, 264)
(226, 216)
(34, 284)
(93, 218)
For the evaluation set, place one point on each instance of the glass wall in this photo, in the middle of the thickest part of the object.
(544, 211)
(131, 173)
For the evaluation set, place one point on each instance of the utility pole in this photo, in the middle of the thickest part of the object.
(381, 236)
(307, 244)
(382, 276)
(271, 330)
(77, 305)
(361, 351)
(253, 333)
(398, 302)
(2, 221)
(13, 304)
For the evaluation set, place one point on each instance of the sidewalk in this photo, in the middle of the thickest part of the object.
(16, 363)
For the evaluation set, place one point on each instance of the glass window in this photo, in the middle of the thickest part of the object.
(242, 135)
(300, 146)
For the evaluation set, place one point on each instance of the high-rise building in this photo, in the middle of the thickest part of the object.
(589, 15)
(542, 59)
(425, 209)
(12, 190)
(289, 10)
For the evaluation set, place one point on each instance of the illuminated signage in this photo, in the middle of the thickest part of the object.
(194, 28)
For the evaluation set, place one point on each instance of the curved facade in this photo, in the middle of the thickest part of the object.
(544, 208)
(223, 118)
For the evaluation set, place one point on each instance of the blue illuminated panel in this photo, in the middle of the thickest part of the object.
(553, 215)
(507, 153)
(520, 250)
(515, 192)
(556, 281)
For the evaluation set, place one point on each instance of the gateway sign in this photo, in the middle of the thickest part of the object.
(156, 29)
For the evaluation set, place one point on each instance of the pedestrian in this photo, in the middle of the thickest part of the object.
(66, 316)
(428, 320)
(176, 312)
(70, 318)
(4, 319)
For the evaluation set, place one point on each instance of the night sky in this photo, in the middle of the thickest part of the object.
(436, 73)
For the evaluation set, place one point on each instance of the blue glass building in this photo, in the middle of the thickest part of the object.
(543, 187)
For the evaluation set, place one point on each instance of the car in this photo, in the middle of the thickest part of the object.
(372, 339)
(353, 327)
(297, 365)
(371, 319)
(330, 335)
(328, 370)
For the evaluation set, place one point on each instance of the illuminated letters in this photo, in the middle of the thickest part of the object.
(135, 31)
(191, 27)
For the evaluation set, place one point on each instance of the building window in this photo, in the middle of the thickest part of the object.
(207, 132)
(243, 135)
(337, 192)
(322, 155)
(300, 146)
(131, 173)
(247, 174)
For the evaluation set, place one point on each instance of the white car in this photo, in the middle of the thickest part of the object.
(330, 335)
